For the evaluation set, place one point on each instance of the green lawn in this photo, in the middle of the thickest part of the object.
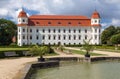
(109, 50)
(83, 53)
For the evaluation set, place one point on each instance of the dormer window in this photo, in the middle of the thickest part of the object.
(79, 23)
(37, 22)
(49, 22)
(69, 22)
(59, 22)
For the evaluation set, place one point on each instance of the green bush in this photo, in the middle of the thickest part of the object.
(51, 50)
(20, 53)
(2, 55)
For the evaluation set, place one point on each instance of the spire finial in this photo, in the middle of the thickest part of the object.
(21, 5)
(95, 5)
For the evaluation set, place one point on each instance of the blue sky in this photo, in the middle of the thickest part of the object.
(108, 9)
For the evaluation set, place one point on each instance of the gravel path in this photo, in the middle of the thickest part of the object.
(99, 52)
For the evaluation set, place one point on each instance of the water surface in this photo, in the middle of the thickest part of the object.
(74, 70)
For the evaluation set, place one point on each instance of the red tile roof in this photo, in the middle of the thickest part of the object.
(57, 17)
(95, 15)
(22, 14)
(59, 20)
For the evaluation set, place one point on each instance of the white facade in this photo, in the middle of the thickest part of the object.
(57, 35)
(53, 35)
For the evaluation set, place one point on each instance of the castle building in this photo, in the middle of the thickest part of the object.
(58, 29)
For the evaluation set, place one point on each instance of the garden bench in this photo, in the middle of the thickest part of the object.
(10, 54)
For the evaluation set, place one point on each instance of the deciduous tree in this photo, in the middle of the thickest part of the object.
(7, 31)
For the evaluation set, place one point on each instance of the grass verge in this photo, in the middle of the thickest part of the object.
(83, 53)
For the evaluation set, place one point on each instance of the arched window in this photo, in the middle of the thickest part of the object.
(23, 20)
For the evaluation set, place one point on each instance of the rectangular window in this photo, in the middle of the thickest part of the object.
(54, 37)
(74, 30)
(59, 30)
(85, 30)
(23, 36)
(79, 30)
(49, 30)
(74, 37)
(69, 31)
(59, 37)
(43, 37)
(69, 37)
(79, 37)
(95, 30)
(99, 31)
(64, 37)
(95, 36)
(37, 37)
(30, 37)
(54, 30)
(23, 30)
(49, 37)
(85, 37)
(37, 30)
(43, 31)
(30, 30)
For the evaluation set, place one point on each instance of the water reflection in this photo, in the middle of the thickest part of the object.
(74, 70)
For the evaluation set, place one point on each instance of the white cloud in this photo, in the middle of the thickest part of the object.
(3, 12)
(115, 22)
(104, 24)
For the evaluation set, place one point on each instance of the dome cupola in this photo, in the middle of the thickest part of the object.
(22, 18)
(95, 14)
(95, 19)
(22, 14)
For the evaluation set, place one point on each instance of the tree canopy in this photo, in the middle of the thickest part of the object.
(7, 31)
(107, 33)
(87, 47)
(106, 36)
(115, 39)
